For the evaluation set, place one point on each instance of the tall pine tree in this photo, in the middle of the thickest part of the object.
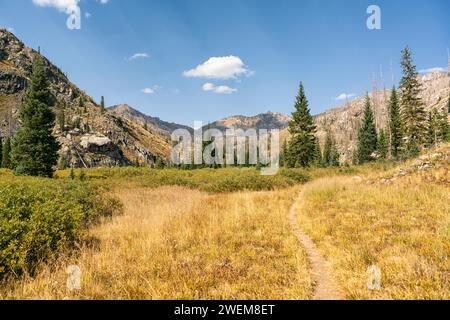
(303, 132)
(367, 136)
(34, 149)
(395, 125)
(382, 145)
(412, 109)
(102, 104)
(6, 154)
(317, 159)
(444, 126)
(283, 154)
(330, 157)
(432, 135)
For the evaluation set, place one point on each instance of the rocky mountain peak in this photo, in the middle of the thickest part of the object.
(269, 121)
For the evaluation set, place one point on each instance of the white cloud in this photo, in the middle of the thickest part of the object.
(224, 68)
(87, 15)
(344, 96)
(435, 69)
(208, 86)
(150, 90)
(139, 55)
(218, 89)
(103, 1)
(67, 6)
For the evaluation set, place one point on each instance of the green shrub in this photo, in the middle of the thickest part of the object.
(40, 217)
(209, 180)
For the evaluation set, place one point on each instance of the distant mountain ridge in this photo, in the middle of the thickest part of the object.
(343, 121)
(152, 123)
(269, 121)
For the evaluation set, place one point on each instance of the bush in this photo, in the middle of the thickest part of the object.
(40, 217)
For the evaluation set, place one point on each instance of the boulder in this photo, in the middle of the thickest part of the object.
(96, 143)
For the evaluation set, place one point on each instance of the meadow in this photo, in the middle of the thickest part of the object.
(140, 233)
(398, 223)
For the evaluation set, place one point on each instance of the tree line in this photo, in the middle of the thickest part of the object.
(34, 150)
(409, 128)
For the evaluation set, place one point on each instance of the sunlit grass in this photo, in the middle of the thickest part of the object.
(403, 228)
(175, 243)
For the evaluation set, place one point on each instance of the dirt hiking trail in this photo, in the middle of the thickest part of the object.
(325, 287)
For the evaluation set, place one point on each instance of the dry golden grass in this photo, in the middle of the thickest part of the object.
(403, 228)
(176, 243)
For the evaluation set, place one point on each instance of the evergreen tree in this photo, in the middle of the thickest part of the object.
(444, 126)
(317, 159)
(34, 149)
(335, 156)
(412, 109)
(355, 158)
(6, 154)
(367, 137)
(102, 104)
(283, 155)
(382, 147)
(395, 125)
(303, 131)
(432, 135)
(330, 157)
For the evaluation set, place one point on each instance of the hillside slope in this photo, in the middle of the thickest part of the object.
(91, 137)
(151, 123)
(344, 121)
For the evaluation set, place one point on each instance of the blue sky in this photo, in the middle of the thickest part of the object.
(263, 49)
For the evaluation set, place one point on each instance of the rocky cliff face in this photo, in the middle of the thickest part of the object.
(344, 121)
(90, 137)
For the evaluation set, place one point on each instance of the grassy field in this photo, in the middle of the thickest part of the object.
(225, 234)
(401, 226)
(176, 243)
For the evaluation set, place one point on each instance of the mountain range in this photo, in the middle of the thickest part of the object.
(121, 135)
